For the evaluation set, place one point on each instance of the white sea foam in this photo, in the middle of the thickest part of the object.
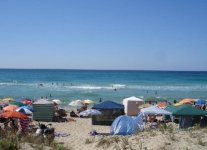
(110, 86)
(15, 84)
(169, 88)
(118, 86)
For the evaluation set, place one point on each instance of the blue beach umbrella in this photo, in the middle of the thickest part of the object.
(27, 107)
(200, 102)
(24, 111)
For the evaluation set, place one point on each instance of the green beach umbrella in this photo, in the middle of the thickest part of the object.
(17, 103)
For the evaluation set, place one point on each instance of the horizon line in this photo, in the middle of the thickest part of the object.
(102, 69)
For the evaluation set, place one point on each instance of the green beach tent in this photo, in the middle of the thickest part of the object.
(185, 110)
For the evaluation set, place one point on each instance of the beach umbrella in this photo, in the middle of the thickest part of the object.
(57, 101)
(76, 103)
(16, 103)
(8, 99)
(4, 103)
(26, 101)
(13, 114)
(27, 107)
(90, 112)
(177, 104)
(10, 108)
(24, 111)
(200, 102)
(186, 100)
(88, 101)
(161, 104)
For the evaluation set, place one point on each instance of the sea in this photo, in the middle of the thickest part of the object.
(115, 85)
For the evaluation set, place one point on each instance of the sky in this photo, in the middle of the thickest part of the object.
(104, 34)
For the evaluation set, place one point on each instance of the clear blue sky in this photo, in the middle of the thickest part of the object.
(104, 34)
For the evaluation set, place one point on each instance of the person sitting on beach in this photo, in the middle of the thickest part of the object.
(73, 114)
(24, 124)
(13, 125)
(93, 132)
(154, 124)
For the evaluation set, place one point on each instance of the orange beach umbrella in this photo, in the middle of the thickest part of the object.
(186, 100)
(10, 108)
(13, 114)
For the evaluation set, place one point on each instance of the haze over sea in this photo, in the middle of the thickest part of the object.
(68, 85)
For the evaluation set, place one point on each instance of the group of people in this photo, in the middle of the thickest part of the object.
(202, 107)
(153, 121)
(15, 125)
(79, 110)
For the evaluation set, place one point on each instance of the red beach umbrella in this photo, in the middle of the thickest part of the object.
(26, 101)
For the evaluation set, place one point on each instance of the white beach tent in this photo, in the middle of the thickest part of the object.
(131, 105)
(42, 101)
(132, 98)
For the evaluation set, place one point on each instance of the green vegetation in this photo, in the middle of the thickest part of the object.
(12, 141)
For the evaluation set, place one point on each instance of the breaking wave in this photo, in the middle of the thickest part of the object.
(110, 86)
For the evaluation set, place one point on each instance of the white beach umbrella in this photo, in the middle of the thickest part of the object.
(24, 111)
(57, 101)
(76, 103)
(90, 112)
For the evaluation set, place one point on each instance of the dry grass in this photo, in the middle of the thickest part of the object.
(13, 141)
(201, 142)
(89, 140)
(104, 142)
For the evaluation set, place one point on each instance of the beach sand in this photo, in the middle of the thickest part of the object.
(79, 138)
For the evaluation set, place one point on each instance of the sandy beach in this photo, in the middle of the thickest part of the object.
(78, 138)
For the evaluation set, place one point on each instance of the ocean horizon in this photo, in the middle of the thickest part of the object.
(71, 84)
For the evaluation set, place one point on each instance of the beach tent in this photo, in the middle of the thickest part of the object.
(131, 105)
(124, 125)
(43, 110)
(110, 110)
(186, 113)
(185, 110)
(155, 110)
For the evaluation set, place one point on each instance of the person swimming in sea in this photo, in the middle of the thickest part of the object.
(40, 85)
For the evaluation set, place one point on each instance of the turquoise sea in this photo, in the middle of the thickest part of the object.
(68, 85)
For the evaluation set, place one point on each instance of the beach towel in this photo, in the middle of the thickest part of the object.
(61, 134)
